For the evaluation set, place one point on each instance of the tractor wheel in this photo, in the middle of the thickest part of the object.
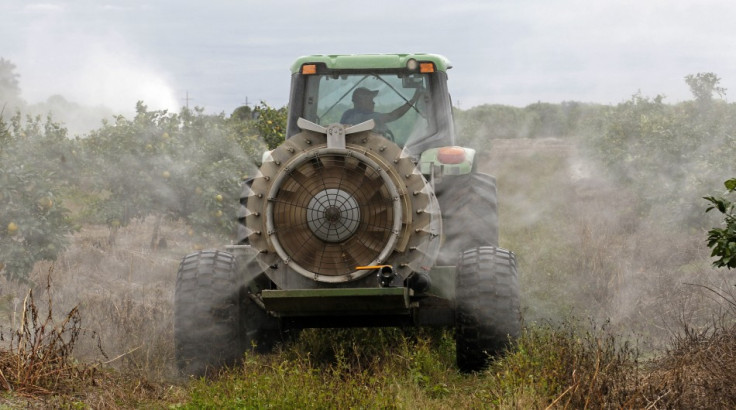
(469, 213)
(207, 312)
(487, 306)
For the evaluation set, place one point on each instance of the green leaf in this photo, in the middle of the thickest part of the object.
(730, 184)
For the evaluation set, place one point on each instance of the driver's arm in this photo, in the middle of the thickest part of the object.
(397, 113)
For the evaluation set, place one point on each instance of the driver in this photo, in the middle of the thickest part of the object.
(363, 109)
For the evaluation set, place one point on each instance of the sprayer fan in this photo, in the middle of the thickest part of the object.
(333, 212)
(322, 211)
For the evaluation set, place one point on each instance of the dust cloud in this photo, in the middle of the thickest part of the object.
(593, 246)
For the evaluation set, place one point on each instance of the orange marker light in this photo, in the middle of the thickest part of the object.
(309, 69)
(372, 267)
(451, 155)
(426, 67)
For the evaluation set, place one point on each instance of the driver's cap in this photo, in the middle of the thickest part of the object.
(362, 92)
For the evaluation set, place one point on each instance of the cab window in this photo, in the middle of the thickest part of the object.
(328, 97)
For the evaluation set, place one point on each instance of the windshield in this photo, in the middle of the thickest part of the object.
(400, 104)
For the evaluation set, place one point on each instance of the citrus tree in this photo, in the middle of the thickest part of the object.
(33, 221)
(214, 156)
(181, 166)
(270, 124)
(667, 152)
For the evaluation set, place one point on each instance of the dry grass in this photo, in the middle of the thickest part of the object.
(698, 372)
(38, 360)
(124, 293)
(116, 343)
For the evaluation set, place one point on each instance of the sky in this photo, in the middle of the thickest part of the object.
(222, 53)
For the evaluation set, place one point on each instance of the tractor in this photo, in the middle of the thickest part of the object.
(367, 215)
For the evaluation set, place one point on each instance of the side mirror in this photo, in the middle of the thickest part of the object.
(411, 81)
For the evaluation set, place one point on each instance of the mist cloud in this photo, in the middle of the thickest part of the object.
(87, 64)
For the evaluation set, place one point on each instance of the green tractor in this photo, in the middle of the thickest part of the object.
(367, 215)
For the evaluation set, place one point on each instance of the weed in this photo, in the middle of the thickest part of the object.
(699, 371)
(39, 360)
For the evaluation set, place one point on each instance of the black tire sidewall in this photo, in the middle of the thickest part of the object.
(207, 312)
(469, 208)
(487, 307)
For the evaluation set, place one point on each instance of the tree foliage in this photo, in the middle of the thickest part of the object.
(704, 85)
(33, 221)
(723, 240)
(668, 152)
(186, 166)
(270, 124)
(9, 86)
(478, 125)
(182, 166)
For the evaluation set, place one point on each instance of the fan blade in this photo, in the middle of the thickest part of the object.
(362, 251)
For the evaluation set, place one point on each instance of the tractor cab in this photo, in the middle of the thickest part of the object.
(405, 94)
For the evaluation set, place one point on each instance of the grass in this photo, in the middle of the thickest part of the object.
(573, 364)
(413, 372)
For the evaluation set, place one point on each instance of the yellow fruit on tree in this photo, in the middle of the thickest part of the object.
(12, 228)
(166, 174)
(218, 197)
(218, 213)
(45, 203)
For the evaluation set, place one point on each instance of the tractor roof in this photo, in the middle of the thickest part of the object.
(362, 61)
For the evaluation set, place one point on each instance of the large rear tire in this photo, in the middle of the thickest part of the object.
(207, 313)
(487, 307)
(469, 213)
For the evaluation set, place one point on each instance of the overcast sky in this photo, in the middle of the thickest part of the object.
(220, 52)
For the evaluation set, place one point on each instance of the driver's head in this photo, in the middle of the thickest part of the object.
(363, 98)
